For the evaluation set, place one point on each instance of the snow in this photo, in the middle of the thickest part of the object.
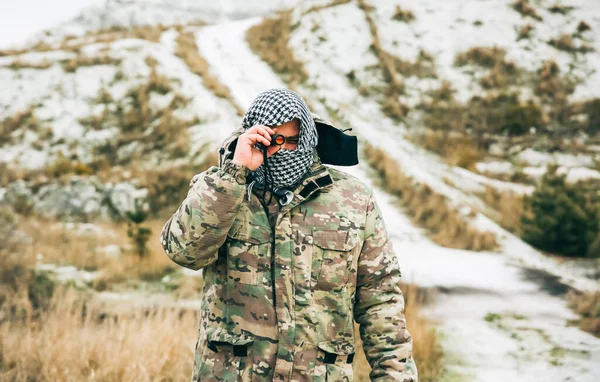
(535, 158)
(62, 99)
(447, 28)
(166, 12)
(495, 167)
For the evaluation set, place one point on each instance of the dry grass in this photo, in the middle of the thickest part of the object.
(566, 43)
(155, 129)
(428, 209)
(12, 52)
(317, 8)
(50, 332)
(71, 66)
(20, 64)
(19, 122)
(426, 347)
(507, 208)
(270, 41)
(481, 117)
(403, 15)
(391, 105)
(188, 51)
(560, 9)
(53, 243)
(554, 88)
(78, 338)
(483, 56)
(583, 27)
(526, 10)
(501, 74)
(456, 149)
(423, 67)
(587, 305)
(525, 32)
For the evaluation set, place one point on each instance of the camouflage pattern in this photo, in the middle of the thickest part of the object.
(290, 294)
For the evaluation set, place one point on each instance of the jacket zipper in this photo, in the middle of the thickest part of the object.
(272, 252)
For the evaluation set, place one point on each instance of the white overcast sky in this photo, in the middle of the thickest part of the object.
(22, 19)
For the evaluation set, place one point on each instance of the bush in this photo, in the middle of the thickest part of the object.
(500, 114)
(526, 10)
(403, 15)
(457, 149)
(592, 109)
(559, 218)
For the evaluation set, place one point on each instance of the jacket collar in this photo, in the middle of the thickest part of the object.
(318, 179)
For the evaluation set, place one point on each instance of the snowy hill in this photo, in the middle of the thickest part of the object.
(113, 89)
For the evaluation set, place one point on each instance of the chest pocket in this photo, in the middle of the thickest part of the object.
(333, 252)
(248, 254)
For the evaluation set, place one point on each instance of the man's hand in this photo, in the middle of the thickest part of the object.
(247, 155)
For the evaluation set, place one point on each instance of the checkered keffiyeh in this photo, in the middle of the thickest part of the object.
(275, 107)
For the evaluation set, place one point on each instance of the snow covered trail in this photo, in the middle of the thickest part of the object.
(497, 324)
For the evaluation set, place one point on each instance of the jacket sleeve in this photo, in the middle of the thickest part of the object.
(379, 305)
(194, 233)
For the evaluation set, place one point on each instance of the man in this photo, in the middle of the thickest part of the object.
(292, 252)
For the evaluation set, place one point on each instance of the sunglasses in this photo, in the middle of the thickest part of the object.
(280, 139)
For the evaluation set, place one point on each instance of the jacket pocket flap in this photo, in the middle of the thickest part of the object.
(243, 230)
(337, 347)
(335, 239)
(224, 335)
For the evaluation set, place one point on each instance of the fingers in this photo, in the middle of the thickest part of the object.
(258, 138)
(265, 131)
(272, 150)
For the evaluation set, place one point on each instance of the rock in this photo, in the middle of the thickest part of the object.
(111, 250)
(80, 199)
(19, 196)
(496, 149)
(124, 197)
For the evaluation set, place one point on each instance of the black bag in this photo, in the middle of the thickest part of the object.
(334, 146)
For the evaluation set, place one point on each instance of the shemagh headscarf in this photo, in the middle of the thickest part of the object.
(272, 108)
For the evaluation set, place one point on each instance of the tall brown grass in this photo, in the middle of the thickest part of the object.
(427, 208)
(391, 106)
(79, 338)
(20, 64)
(526, 10)
(50, 242)
(403, 15)
(507, 208)
(22, 120)
(71, 66)
(269, 40)
(587, 305)
(333, 3)
(456, 149)
(188, 51)
(52, 332)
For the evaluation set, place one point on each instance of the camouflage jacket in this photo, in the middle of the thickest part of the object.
(279, 304)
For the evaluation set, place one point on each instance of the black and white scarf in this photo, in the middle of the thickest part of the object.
(272, 108)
